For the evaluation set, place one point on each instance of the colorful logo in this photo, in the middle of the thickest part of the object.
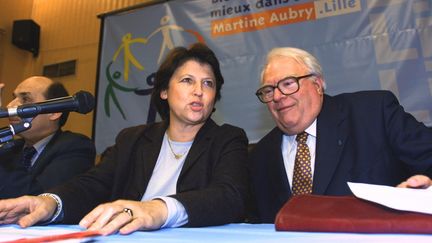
(128, 56)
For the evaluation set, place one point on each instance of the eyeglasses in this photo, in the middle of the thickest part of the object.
(286, 86)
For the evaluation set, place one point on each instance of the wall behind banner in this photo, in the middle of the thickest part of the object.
(69, 30)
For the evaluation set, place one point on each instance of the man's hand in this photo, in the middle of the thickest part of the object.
(111, 217)
(417, 181)
(27, 210)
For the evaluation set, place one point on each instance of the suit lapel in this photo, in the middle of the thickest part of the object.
(199, 146)
(9, 155)
(276, 165)
(43, 158)
(332, 133)
(11, 151)
(148, 150)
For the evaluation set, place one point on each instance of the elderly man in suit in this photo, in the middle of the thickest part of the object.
(321, 142)
(44, 156)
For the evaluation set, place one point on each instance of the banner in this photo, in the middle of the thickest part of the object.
(361, 44)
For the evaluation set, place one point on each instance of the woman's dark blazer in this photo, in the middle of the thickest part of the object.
(212, 186)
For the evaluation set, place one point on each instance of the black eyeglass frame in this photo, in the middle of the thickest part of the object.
(297, 80)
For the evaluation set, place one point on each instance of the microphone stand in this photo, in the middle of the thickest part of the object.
(7, 133)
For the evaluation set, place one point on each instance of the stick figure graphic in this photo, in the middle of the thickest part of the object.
(165, 29)
(127, 54)
(114, 76)
(151, 115)
(109, 92)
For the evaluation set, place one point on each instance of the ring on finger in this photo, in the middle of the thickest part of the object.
(128, 211)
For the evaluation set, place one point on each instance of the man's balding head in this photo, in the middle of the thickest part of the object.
(38, 89)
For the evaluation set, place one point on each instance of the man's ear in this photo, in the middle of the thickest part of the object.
(55, 116)
(319, 83)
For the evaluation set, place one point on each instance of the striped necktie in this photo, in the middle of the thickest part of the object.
(26, 156)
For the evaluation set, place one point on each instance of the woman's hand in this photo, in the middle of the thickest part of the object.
(417, 181)
(111, 217)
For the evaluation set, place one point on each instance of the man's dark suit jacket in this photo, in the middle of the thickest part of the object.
(361, 137)
(66, 155)
(212, 185)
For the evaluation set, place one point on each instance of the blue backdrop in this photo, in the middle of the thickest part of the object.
(362, 45)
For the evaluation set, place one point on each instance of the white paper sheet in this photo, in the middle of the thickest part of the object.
(408, 199)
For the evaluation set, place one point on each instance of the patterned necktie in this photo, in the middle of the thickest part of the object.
(302, 178)
(27, 155)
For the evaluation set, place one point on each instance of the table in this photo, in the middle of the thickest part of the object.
(231, 233)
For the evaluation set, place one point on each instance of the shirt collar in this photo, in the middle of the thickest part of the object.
(41, 144)
(311, 130)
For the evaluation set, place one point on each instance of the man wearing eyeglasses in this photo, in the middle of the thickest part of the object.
(321, 142)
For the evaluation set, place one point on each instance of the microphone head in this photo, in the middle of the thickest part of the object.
(86, 102)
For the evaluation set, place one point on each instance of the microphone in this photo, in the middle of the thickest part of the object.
(7, 133)
(82, 102)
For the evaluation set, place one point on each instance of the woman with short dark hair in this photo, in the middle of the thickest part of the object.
(183, 171)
